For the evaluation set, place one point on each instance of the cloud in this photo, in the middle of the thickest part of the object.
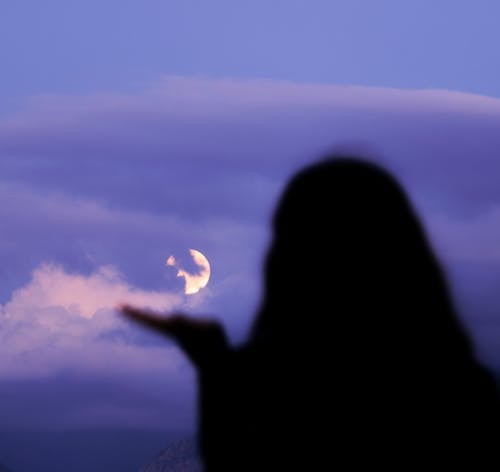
(183, 134)
(109, 185)
(474, 239)
(188, 155)
(62, 321)
(127, 179)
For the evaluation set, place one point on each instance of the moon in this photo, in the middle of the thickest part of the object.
(194, 282)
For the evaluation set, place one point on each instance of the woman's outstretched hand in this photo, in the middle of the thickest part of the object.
(203, 340)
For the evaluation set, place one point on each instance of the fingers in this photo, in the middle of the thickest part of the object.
(146, 318)
(201, 340)
(175, 325)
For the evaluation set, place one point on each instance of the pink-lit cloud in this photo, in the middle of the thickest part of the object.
(65, 321)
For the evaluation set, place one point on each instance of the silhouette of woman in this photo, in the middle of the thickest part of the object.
(356, 355)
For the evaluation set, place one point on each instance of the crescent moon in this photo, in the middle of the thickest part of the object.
(194, 282)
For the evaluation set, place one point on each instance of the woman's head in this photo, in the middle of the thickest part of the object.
(342, 218)
(348, 245)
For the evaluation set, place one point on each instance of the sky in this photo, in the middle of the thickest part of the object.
(135, 130)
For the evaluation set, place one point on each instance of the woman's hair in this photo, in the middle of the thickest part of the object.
(349, 251)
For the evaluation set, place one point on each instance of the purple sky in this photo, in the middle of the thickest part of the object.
(129, 134)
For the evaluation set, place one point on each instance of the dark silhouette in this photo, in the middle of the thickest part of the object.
(356, 356)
